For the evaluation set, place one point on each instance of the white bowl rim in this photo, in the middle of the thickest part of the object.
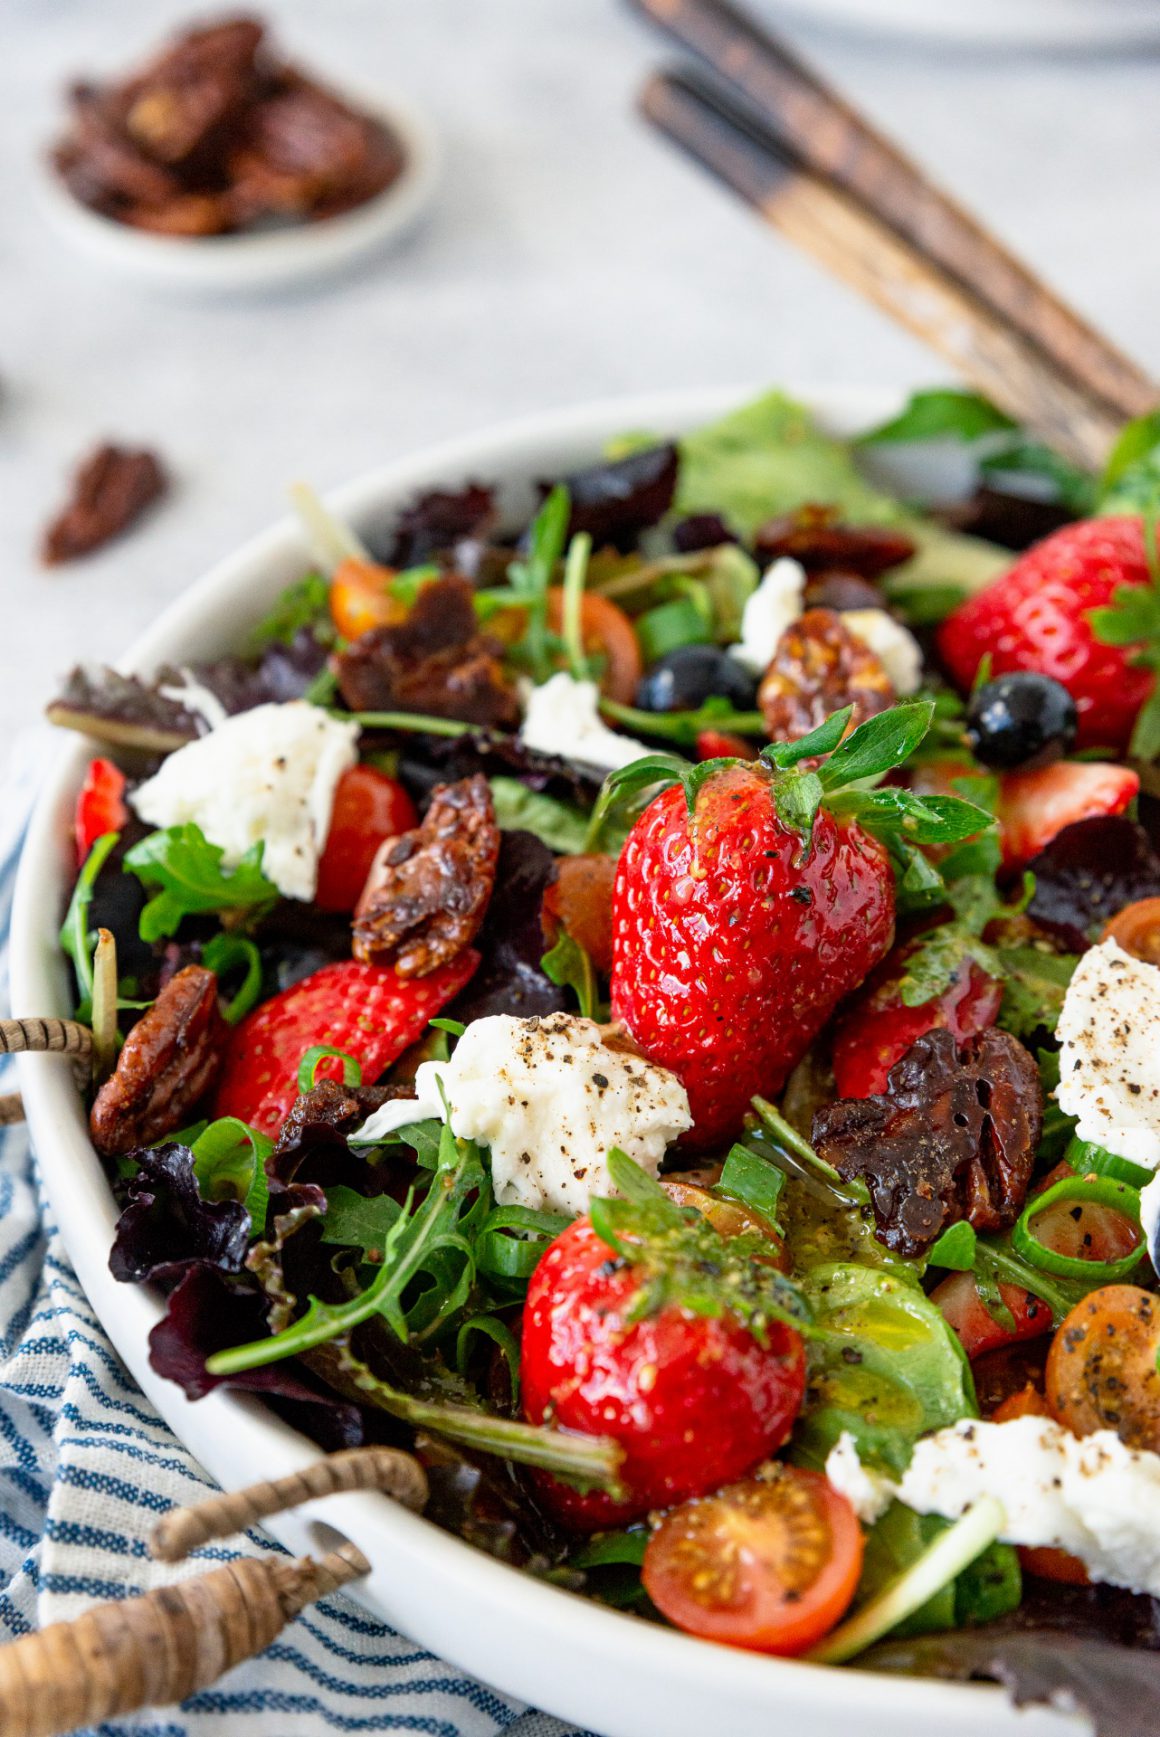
(562, 1653)
(264, 258)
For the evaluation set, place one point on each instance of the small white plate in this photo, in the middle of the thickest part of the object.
(1068, 24)
(266, 259)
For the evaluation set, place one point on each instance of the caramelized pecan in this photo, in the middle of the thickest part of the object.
(952, 1137)
(305, 152)
(436, 662)
(330, 1104)
(428, 889)
(819, 667)
(816, 537)
(111, 489)
(194, 89)
(168, 1063)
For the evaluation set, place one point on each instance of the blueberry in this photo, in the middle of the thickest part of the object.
(1021, 719)
(684, 679)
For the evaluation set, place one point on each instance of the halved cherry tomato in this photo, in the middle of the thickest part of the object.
(1042, 1560)
(1137, 929)
(579, 901)
(958, 1298)
(1101, 1369)
(606, 632)
(100, 805)
(368, 807)
(770, 1564)
(360, 598)
(728, 1217)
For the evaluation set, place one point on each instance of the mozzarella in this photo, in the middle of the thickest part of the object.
(1109, 1038)
(893, 645)
(193, 696)
(562, 717)
(774, 606)
(1090, 1495)
(549, 1099)
(265, 776)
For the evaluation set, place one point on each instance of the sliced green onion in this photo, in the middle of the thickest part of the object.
(853, 1193)
(1085, 1191)
(424, 726)
(575, 573)
(104, 1019)
(318, 1052)
(1088, 1159)
(226, 953)
(670, 626)
(74, 934)
(942, 1562)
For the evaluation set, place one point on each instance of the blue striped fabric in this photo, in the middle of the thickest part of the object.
(86, 1466)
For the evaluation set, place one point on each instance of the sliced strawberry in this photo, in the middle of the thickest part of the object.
(878, 1028)
(722, 745)
(100, 805)
(1035, 806)
(365, 1010)
(1038, 617)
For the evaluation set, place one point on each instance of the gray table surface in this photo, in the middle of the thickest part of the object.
(570, 254)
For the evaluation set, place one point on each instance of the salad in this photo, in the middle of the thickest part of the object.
(654, 1009)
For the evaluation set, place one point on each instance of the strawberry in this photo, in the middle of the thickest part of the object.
(1034, 806)
(1039, 617)
(878, 1028)
(744, 910)
(366, 1011)
(715, 744)
(100, 806)
(643, 1324)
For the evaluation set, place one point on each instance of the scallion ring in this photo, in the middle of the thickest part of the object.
(1085, 1191)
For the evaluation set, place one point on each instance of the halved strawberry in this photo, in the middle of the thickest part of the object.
(1034, 806)
(877, 1028)
(367, 1011)
(100, 805)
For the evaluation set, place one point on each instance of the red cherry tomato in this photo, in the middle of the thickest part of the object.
(693, 1400)
(770, 1564)
(606, 632)
(100, 805)
(958, 1298)
(368, 807)
(1102, 1370)
(361, 599)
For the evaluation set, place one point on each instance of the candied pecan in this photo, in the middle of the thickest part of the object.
(952, 1137)
(168, 1063)
(195, 88)
(837, 590)
(100, 166)
(303, 148)
(334, 1105)
(428, 889)
(111, 489)
(819, 667)
(817, 537)
(436, 662)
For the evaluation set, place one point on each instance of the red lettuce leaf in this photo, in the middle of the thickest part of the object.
(166, 1224)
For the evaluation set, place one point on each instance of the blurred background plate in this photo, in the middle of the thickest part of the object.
(265, 259)
(1074, 24)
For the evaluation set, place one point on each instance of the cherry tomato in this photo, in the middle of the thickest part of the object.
(958, 1298)
(1101, 1369)
(728, 1217)
(770, 1564)
(100, 805)
(606, 632)
(1042, 1560)
(1137, 929)
(360, 598)
(368, 807)
(693, 1400)
(579, 901)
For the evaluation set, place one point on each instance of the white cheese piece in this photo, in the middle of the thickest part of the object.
(562, 717)
(774, 606)
(549, 1099)
(868, 1493)
(892, 644)
(267, 775)
(1090, 1495)
(193, 696)
(1109, 1039)
(397, 1113)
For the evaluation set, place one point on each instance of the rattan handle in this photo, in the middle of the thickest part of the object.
(49, 1037)
(165, 1645)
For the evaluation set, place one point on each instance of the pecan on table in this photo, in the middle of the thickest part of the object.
(817, 538)
(436, 662)
(428, 890)
(819, 667)
(952, 1137)
(167, 1064)
(110, 491)
(180, 104)
(305, 153)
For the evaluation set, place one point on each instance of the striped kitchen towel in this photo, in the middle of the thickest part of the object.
(87, 1465)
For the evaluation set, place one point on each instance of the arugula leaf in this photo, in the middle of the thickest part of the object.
(1131, 479)
(955, 1249)
(187, 872)
(569, 967)
(942, 414)
(561, 825)
(76, 939)
(1034, 985)
(530, 577)
(360, 1221)
(305, 603)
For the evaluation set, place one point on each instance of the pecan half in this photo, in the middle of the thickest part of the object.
(330, 1104)
(436, 662)
(111, 489)
(428, 889)
(168, 1063)
(817, 537)
(819, 667)
(952, 1137)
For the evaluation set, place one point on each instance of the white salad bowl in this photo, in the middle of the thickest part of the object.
(604, 1670)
